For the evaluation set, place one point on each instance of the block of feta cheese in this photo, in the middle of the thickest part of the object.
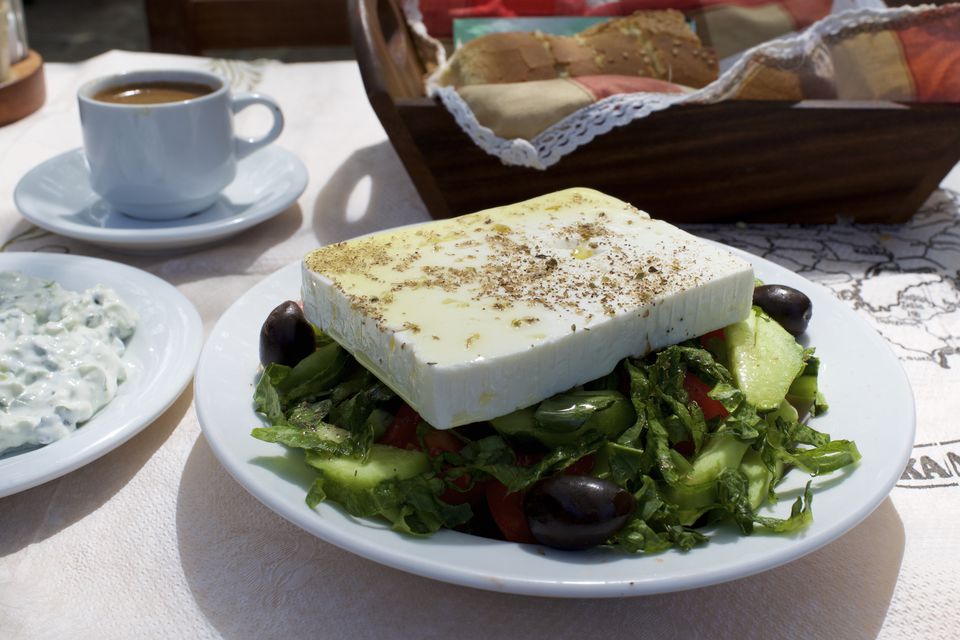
(470, 318)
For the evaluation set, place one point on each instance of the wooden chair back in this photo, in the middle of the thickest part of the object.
(194, 26)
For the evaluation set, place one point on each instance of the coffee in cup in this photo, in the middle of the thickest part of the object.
(160, 144)
(153, 92)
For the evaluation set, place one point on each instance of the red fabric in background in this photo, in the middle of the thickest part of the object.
(438, 14)
(626, 7)
(932, 52)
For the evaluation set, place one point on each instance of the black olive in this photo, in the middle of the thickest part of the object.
(286, 337)
(791, 308)
(576, 512)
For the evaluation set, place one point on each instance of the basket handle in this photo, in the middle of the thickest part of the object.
(386, 52)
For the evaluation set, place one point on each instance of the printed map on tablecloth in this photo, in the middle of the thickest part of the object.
(904, 277)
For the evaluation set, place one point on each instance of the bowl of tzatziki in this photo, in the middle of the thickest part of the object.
(91, 352)
(60, 357)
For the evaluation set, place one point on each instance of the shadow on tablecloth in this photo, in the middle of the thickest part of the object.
(32, 516)
(229, 256)
(369, 192)
(254, 575)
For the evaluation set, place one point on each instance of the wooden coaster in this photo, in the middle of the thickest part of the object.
(24, 92)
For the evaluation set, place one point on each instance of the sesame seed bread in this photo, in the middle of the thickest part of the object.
(655, 44)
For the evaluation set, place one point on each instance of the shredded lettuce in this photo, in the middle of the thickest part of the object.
(682, 469)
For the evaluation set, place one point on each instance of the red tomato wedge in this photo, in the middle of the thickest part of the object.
(507, 511)
(402, 432)
(461, 494)
(582, 467)
(715, 342)
(438, 442)
(716, 334)
(697, 390)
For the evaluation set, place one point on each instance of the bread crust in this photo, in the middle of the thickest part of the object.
(654, 44)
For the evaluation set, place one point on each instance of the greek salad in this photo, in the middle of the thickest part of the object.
(649, 457)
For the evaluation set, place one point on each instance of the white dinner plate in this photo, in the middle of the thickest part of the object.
(56, 196)
(160, 359)
(870, 402)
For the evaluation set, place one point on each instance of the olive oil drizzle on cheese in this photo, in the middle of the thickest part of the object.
(576, 267)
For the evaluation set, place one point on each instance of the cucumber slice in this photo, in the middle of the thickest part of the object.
(720, 452)
(383, 463)
(786, 411)
(698, 489)
(565, 417)
(692, 502)
(758, 478)
(764, 359)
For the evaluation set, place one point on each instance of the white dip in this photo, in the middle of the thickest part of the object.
(59, 357)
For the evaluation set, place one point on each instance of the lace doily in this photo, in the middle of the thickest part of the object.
(582, 126)
(411, 10)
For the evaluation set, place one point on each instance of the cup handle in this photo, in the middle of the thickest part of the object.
(246, 146)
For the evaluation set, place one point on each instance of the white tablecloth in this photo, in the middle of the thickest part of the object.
(156, 540)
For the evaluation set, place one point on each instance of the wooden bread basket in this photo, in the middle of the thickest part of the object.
(799, 162)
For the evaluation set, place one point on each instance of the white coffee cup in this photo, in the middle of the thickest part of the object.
(170, 159)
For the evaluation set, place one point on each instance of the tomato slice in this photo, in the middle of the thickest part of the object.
(581, 467)
(507, 511)
(716, 334)
(715, 342)
(461, 494)
(697, 391)
(440, 441)
(402, 432)
(685, 448)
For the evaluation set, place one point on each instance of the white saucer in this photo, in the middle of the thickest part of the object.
(56, 196)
